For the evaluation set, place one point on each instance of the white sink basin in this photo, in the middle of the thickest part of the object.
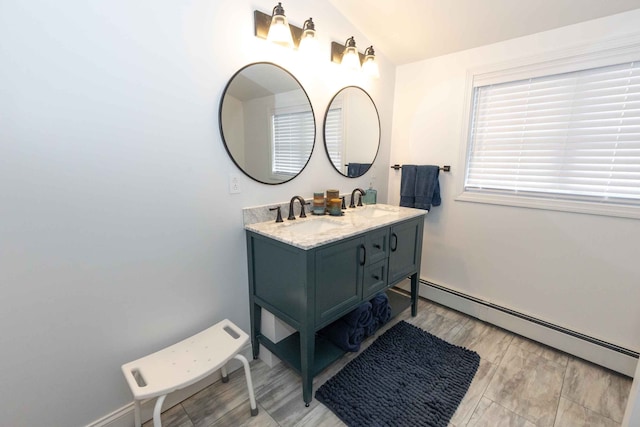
(372, 211)
(312, 226)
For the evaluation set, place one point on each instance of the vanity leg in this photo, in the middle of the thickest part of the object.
(307, 349)
(255, 317)
(414, 294)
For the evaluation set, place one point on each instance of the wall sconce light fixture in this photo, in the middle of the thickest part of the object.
(276, 28)
(348, 55)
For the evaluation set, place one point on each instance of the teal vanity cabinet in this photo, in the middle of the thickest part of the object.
(308, 288)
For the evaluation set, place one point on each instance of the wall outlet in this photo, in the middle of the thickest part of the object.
(234, 184)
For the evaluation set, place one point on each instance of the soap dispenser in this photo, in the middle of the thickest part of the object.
(370, 196)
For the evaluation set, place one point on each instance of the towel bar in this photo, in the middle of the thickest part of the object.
(445, 168)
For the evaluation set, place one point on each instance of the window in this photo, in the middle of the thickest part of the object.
(559, 141)
(293, 137)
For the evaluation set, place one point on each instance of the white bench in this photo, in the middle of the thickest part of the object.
(185, 363)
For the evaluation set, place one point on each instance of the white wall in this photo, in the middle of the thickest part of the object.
(117, 233)
(575, 270)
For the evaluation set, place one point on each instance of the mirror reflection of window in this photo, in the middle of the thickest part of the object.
(292, 140)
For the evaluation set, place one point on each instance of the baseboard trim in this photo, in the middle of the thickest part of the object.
(603, 353)
(119, 417)
(123, 417)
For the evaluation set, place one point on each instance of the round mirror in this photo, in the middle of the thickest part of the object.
(267, 123)
(352, 131)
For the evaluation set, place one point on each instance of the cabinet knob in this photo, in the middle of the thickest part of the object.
(377, 246)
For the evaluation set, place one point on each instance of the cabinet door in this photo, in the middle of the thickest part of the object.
(338, 278)
(405, 246)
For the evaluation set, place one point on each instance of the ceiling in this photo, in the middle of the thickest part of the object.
(412, 30)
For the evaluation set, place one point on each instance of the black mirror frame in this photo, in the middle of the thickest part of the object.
(224, 141)
(324, 123)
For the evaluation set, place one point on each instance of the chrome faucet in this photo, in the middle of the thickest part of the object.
(302, 203)
(352, 204)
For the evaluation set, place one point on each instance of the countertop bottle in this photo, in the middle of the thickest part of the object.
(370, 196)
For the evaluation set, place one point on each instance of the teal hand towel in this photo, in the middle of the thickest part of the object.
(408, 186)
(427, 187)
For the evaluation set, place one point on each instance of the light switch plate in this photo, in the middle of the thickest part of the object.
(234, 184)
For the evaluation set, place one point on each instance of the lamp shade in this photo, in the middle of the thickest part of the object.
(308, 41)
(350, 56)
(370, 65)
(279, 31)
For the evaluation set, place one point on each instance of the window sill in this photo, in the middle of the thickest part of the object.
(590, 208)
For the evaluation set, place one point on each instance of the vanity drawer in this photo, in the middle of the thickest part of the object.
(375, 279)
(377, 244)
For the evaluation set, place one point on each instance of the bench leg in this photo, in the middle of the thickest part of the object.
(223, 373)
(136, 414)
(157, 410)
(247, 374)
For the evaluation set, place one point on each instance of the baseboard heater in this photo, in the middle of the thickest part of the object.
(603, 353)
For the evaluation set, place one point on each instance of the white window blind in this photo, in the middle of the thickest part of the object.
(293, 138)
(569, 136)
(333, 137)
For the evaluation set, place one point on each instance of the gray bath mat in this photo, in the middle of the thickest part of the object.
(407, 377)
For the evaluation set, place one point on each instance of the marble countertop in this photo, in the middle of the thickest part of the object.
(313, 231)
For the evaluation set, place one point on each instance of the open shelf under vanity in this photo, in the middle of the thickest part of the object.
(326, 353)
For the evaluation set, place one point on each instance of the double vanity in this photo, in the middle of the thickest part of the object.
(311, 271)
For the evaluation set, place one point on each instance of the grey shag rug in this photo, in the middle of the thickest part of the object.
(406, 377)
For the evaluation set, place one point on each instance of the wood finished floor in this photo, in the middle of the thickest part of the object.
(519, 383)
